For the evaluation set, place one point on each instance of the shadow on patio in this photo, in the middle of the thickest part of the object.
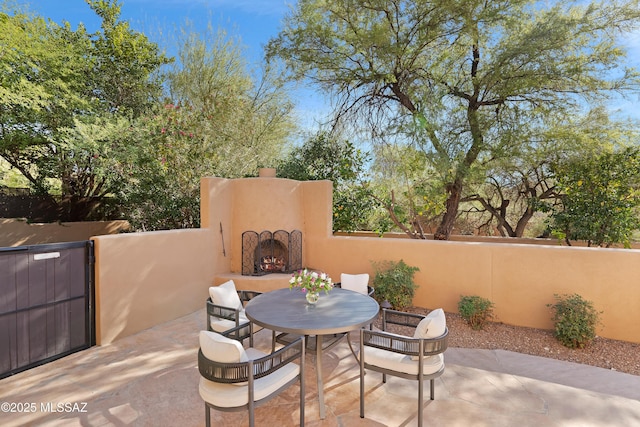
(151, 379)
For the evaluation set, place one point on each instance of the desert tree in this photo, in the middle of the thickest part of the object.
(448, 74)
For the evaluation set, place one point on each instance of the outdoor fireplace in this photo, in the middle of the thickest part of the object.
(271, 252)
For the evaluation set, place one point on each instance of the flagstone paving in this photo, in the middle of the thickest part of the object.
(151, 378)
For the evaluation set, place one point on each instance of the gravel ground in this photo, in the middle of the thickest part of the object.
(619, 356)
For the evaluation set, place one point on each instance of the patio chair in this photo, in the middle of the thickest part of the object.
(419, 357)
(355, 282)
(235, 379)
(225, 311)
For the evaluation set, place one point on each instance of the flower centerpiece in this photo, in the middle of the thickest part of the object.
(311, 283)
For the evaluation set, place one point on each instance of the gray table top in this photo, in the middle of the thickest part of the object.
(286, 310)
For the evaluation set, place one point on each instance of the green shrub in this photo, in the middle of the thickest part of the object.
(575, 320)
(393, 282)
(475, 310)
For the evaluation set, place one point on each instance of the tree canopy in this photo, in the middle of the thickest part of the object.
(602, 197)
(86, 115)
(56, 78)
(218, 119)
(475, 109)
(325, 156)
(455, 78)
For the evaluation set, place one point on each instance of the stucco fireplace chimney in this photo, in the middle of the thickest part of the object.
(267, 173)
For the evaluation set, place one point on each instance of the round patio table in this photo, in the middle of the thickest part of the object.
(337, 312)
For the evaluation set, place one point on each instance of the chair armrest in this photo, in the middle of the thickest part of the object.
(276, 360)
(222, 311)
(246, 296)
(400, 318)
(252, 369)
(230, 313)
(403, 344)
(238, 332)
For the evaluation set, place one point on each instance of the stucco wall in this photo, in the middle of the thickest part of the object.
(486, 239)
(16, 232)
(263, 204)
(148, 278)
(144, 279)
(519, 279)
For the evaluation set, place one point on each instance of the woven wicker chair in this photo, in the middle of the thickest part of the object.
(221, 318)
(235, 379)
(415, 358)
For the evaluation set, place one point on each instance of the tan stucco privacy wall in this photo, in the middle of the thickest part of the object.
(519, 279)
(19, 232)
(144, 279)
(147, 278)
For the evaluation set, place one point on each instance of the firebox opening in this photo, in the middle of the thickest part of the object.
(276, 259)
(267, 252)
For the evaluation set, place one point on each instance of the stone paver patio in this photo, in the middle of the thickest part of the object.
(150, 379)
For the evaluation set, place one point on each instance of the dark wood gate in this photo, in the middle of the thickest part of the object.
(46, 303)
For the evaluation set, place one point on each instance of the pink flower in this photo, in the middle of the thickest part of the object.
(310, 281)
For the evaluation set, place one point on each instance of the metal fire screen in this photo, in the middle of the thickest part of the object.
(267, 252)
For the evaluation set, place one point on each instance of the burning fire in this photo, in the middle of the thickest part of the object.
(272, 263)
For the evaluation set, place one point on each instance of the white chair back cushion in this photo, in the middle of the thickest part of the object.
(225, 295)
(221, 349)
(355, 282)
(432, 326)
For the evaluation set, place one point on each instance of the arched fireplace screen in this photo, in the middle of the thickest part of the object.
(267, 252)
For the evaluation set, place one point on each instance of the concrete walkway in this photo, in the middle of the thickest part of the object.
(150, 379)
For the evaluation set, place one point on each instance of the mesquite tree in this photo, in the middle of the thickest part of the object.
(452, 75)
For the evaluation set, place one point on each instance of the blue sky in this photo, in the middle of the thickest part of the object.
(255, 22)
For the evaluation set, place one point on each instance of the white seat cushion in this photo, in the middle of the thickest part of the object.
(221, 349)
(355, 282)
(234, 395)
(432, 326)
(254, 353)
(222, 325)
(401, 362)
(225, 295)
